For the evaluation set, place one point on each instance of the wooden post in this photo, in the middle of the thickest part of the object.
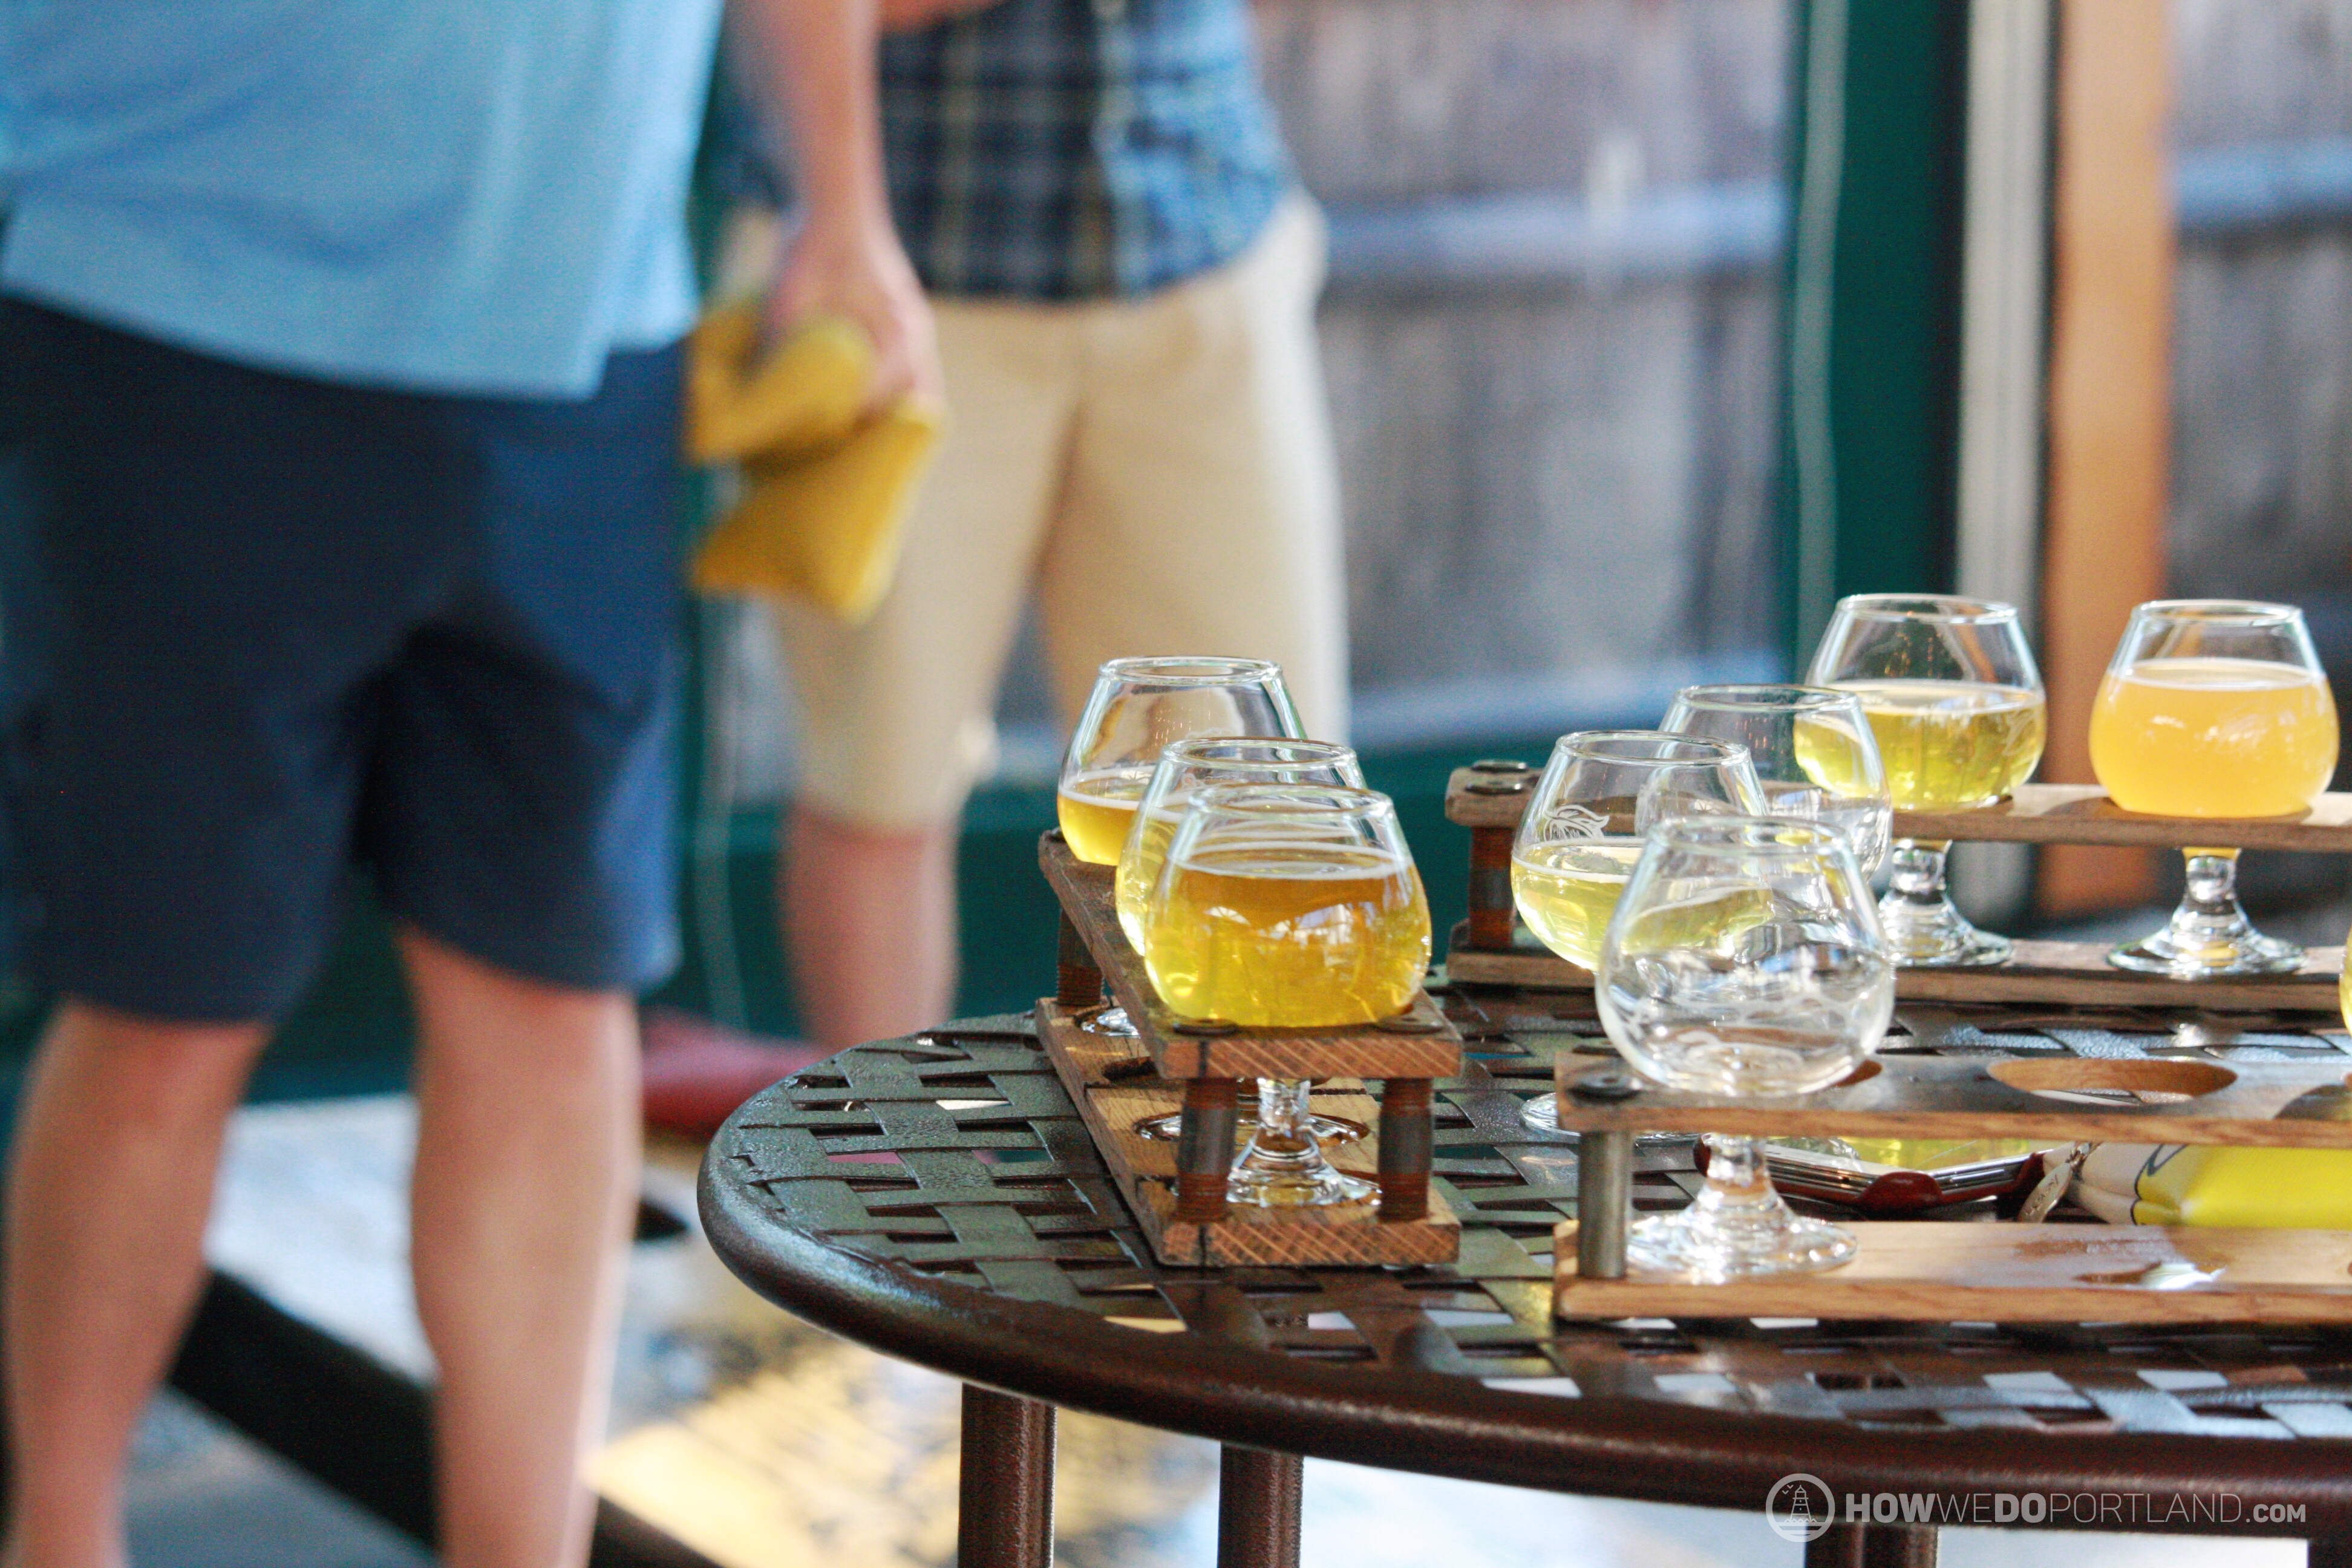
(1407, 1143)
(1077, 983)
(1204, 1148)
(2110, 394)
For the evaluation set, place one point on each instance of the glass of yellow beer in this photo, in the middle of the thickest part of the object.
(1744, 960)
(1139, 707)
(2213, 707)
(1813, 750)
(1582, 832)
(1182, 770)
(1287, 906)
(1956, 705)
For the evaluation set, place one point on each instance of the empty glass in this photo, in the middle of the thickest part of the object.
(1287, 906)
(1812, 752)
(1601, 791)
(1956, 705)
(1139, 707)
(2213, 707)
(1744, 960)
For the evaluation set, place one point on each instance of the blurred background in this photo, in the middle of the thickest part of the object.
(1652, 326)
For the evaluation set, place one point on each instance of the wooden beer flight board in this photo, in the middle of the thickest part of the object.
(2039, 972)
(1101, 1074)
(1926, 1272)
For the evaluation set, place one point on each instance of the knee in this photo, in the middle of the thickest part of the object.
(822, 844)
(149, 1069)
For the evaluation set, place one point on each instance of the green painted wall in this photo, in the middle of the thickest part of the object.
(1878, 514)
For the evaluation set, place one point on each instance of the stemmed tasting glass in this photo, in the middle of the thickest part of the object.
(2213, 707)
(1956, 704)
(1287, 906)
(1139, 707)
(1744, 960)
(1601, 791)
(1182, 770)
(1812, 752)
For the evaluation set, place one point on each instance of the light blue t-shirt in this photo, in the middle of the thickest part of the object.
(451, 195)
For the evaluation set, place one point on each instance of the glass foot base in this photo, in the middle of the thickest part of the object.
(1698, 1243)
(1112, 1021)
(1311, 1186)
(1169, 1129)
(2248, 952)
(1937, 935)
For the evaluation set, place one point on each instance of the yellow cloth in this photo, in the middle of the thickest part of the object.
(825, 493)
(2295, 1189)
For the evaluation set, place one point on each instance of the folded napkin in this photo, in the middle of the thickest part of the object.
(825, 488)
(2167, 1184)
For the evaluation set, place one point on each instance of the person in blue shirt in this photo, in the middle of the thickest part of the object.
(1124, 269)
(337, 362)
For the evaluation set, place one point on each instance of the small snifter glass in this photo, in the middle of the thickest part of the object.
(1744, 960)
(2213, 707)
(1139, 707)
(1287, 906)
(1601, 791)
(1183, 770)
(1813, 750)
(1956, 704)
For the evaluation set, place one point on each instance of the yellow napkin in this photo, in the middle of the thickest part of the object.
(825, 493)
(2141, 1183)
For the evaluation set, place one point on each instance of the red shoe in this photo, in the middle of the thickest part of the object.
(696, 1072)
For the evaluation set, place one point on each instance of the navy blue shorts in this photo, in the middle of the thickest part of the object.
(259, 629)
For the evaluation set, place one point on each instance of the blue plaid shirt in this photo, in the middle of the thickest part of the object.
(1079, 149)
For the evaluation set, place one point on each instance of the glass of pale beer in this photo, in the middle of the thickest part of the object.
(2213, 707)
(1139, 707)
(1956, 705)
(1813, 750)
(1183, 770)
(1289, 906)
(1601, 791)
(1744, 961)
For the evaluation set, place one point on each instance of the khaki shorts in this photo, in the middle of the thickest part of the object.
(1160, 470)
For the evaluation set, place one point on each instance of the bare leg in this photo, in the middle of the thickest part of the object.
(870, 923)
(111, 1182)
(526, 1178)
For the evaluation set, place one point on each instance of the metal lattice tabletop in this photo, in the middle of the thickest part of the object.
(939, 1199)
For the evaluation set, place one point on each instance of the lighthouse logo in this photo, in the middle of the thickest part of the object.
(1800, 1508)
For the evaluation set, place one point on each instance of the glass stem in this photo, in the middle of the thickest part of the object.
(1915, 871)
(1284, 1133)
(2212, 890)
(1736, 1178)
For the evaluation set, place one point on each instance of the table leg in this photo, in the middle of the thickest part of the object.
(1077, 982)
(1407, 1141)
(1873, 1546)
(1006, 1487)
(1604, 1201)
(1257, 1509)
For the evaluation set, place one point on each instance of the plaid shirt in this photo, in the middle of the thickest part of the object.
(1079, 149)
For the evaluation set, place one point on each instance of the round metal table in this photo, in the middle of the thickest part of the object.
(937, 1199)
